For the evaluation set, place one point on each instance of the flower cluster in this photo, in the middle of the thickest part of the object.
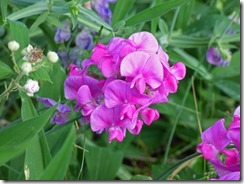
(135, 74)
(217, 143)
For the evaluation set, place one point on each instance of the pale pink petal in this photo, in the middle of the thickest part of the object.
(145, 41)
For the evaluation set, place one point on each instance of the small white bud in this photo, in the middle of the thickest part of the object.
(31, 87)
(52, 56)
(13, 45)
(26, 68)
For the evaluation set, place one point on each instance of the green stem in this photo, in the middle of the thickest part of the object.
(165, 173)
(173, 22)
(176, 122)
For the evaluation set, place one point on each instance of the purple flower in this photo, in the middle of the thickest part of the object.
(215, 57)
(61, 115)
(216, 141)
(135, 73)
(84, 40)
(102, 8)
(63, 35)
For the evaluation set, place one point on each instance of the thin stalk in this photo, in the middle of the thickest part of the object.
(171, 169)
(173, 22)
(176, 122)
(195, 101)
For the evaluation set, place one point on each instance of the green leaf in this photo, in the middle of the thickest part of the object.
(94, 17)
(4, 8)
(57, 168)
(190, 62)
(16, 134)
(154, 12)
(28, 110)
(41, 74)
(232, 70)
(186, 41)
(92, 25)
(19, 33)
(6, 71)
(229, 87)
(120, 13)
(15, 138)
(102, 163)
(42, 18)
(141, 177)
(35, 9)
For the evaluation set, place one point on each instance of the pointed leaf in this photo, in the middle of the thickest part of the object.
(6, 71)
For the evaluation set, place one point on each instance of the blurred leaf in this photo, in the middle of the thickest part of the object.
(41, 74)
(229, 87)
(57, 168)
(19, 33)
(232, 70)
(186, 41)
(123, 173)
(4, 8)
(15, 138)
(6, 71)
(190, 62)
(37, 8)
(28, 110)
(120, 13)
(230, 38)
(92, 25)
(154, 12)
(102, 163)
(94, 17)
(221, 26)
(42, 18)
(141, 177)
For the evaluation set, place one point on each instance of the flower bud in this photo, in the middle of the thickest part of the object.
(52, 56)
(13, 45)
(31, 87)
(26, 68)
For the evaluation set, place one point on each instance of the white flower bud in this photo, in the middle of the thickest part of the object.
(13, 45)
(31, 87)
(26, 68)
(52, 56)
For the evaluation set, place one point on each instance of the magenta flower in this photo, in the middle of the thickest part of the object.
(135, 74)
(61, 115)
(219, 141)
(142, 69)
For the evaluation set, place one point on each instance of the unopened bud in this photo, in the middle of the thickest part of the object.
(26, 68)
(31, 87)
(52, 56)
(13, 45)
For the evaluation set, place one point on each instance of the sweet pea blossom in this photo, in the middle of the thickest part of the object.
(61, 115)
(216, 141)
(134, 74)
(215, 57)
(63, 35)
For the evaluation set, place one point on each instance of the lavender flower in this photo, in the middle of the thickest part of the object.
(61, 115)
(215, 57)
(84, 40)
(63, 35)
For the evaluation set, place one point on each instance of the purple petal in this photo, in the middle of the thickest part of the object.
(116, 133)
(149, 115)
(97, 53)
(178, 70)
(60, 118)
(145, 41)
(230, 176)
(137, 128)
(208, 150)
(234, 131)
(71, 87)
(237, 111)
(216, 135)
(48, 102)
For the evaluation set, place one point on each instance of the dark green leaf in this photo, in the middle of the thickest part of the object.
(6, 71)
(54, 170)
(28, 110)
(41, 74)
(154, 12)
(35, 9)
(42, 18)
(100, 168)
(119, 12)
(4, 8)
(141, 177)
